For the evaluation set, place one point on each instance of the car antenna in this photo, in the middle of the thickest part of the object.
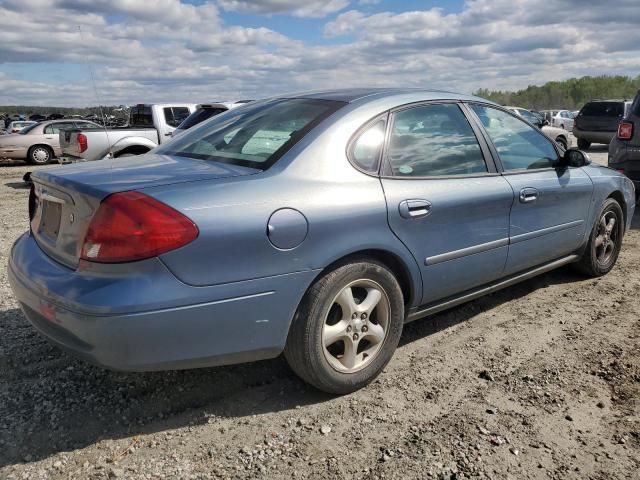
(95, 89)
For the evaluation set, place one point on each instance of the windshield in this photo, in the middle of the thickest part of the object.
(255, 136)
(28, 129)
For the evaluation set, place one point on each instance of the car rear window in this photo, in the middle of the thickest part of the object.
(141, 116)
(635, 107)
(199, 116)
(603, 109)
(255, 136)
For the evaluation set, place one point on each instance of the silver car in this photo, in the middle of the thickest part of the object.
(38, 143)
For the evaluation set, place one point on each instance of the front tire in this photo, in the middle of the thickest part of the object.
(604, 243)
(562, 142)
(39, 155)
(347, 327)
(583, 144)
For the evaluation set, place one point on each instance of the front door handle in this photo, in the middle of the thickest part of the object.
(415, 208)
(528, 195)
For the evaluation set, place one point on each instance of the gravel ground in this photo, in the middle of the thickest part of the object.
(540, 380)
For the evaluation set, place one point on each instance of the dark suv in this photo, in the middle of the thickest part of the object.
(624, 149)
(598, 121)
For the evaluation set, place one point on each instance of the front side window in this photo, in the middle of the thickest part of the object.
(174, 116)
(253, 136)
(433, 140)
(519, 146)
(55, 128)
(366, 149)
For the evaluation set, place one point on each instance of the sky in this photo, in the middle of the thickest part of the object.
(53, 52)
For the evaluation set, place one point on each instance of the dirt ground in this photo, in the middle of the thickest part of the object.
(541, 380)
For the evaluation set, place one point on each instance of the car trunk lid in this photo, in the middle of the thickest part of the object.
(63, 201)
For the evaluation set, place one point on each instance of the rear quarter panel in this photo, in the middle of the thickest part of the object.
(606, 181)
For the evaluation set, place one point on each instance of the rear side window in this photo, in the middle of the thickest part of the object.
(174, 116)
(200, 116)
(56, 127)
(603, 109)
(141, 116)
(366, 148)
(254, 136)
(520, 146)
(433, 140)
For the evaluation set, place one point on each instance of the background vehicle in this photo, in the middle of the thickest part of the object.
(36, 117)
(598, 121)
(624, 149)
(548, 114)
(231, 243)
(563, 119)
(559, 135)
(15, 127)
(38, 143)
(149, 126)
(204, 112)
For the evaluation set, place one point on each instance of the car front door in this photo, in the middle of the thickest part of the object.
(551, 205)
(446, 202)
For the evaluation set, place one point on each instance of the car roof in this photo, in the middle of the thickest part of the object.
(351, 95)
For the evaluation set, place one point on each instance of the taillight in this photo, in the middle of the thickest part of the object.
(625, 130)
(131, 226)
(82, 142)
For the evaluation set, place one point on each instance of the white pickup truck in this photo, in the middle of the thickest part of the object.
(149, 126)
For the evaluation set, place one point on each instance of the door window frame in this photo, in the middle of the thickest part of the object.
(494, 151)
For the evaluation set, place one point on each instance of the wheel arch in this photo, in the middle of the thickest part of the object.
(411, 291)
(133, 149)
(619, 197)
(45, 145)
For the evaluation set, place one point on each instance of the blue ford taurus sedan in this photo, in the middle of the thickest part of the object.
(316, 224)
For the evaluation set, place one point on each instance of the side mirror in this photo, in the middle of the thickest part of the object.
(545, 123)
(575, 158)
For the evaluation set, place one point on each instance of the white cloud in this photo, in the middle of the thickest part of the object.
(307, 8)
(164, 50)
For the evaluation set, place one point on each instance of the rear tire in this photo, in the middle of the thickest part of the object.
(583, 144)
(39, 155)
(347, 327)
(605, 240)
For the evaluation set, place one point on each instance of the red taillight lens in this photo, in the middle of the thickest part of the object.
(82, 142)
(131, 226)
(625, 130)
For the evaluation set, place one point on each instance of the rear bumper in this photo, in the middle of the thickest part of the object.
(593, 137)
(147, 319)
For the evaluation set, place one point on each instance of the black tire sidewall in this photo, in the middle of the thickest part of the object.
(324, 376)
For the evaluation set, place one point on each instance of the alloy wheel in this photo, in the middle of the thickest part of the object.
(607, 238)
(355, 326)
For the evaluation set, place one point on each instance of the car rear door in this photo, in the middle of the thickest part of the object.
(446, 201)
(551, 205)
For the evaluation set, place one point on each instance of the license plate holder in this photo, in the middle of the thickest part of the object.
(50, 219)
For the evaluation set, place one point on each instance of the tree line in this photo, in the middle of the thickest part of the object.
(569, 94)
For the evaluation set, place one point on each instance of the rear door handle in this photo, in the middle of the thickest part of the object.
(528, 195)
(415, 208)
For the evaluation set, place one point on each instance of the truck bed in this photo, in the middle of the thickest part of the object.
(99, 141)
